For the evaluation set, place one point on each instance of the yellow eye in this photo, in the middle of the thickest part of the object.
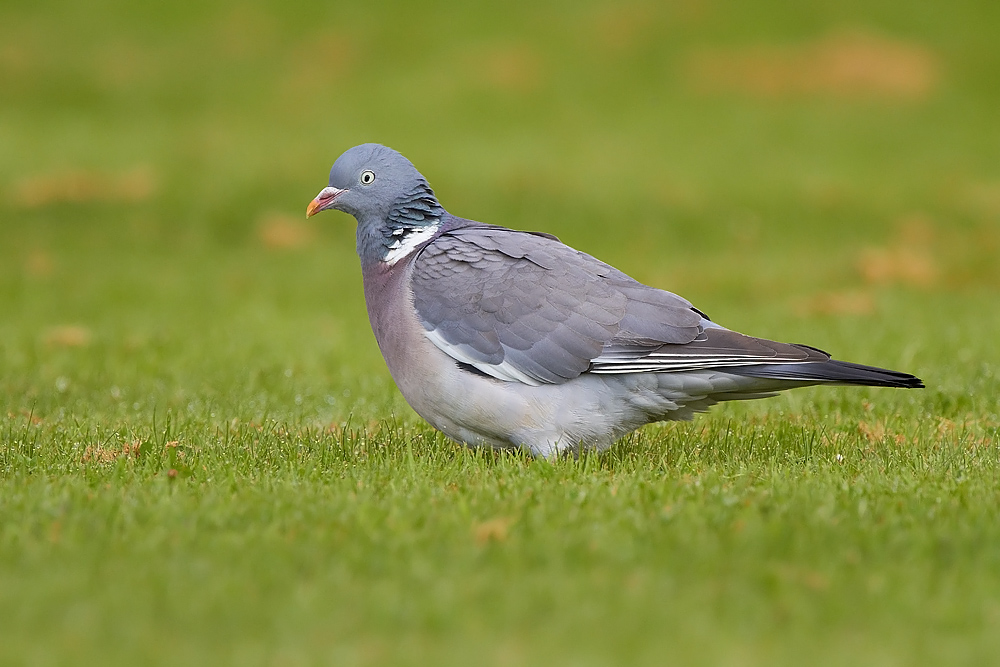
(367, 177)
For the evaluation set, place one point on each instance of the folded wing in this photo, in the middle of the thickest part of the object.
(523, 307)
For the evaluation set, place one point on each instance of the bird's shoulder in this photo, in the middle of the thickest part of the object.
(480, 247)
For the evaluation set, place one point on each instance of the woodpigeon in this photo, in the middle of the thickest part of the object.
(511, 339)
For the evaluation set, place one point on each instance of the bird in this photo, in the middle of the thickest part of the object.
(513, 340)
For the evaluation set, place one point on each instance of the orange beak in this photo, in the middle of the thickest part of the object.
(323, 200)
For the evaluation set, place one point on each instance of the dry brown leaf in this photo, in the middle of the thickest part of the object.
(850, 64)
(34, 419)
(908, 260)
(908, 266)
(945, 427)
(878, 432)
(99, 454)
(872, 432)
(492, 530)
(78, 186)
(70, 335)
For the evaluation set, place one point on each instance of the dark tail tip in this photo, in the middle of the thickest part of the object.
(836, 372)
(871, 376)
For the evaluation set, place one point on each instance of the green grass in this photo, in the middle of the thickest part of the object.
(204, 461)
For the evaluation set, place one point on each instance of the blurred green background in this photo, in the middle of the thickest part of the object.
(777, 163)
(825, 173)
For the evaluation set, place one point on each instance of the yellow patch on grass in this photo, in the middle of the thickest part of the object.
(908, 259)
(80, 185)
(108, 454)
(492, 530)
(844, 64)
(70, 335)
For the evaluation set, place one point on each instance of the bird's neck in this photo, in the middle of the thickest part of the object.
(411, 220)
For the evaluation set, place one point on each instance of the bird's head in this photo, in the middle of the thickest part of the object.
(368, 180)
(385, 193)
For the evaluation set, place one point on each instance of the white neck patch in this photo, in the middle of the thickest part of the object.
(407, 240)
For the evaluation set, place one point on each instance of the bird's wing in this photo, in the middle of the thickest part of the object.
(523, 307)
(717, 348)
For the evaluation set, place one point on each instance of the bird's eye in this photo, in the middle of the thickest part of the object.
(367, 177)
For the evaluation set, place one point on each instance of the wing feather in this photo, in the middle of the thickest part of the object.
(523, 307)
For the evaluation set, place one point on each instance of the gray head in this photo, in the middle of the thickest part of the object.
(385, 193)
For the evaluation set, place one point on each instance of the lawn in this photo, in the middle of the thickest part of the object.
(204, 461)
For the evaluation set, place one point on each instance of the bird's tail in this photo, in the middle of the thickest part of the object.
(832, 372)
